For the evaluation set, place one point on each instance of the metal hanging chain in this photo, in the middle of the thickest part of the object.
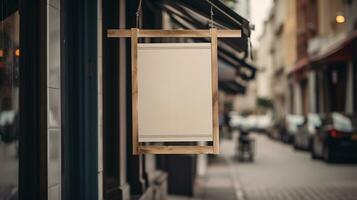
(251, 49)
(221, 11)
(212, 14)
(138, 13)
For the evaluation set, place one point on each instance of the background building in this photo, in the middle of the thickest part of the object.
(309, 56)
(243, 8)
(276, 55)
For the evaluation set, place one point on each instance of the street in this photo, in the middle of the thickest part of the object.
(278, 172)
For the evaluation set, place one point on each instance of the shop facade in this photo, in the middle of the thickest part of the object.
(65, 100)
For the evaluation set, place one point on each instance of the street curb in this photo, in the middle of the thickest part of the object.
(239, 191)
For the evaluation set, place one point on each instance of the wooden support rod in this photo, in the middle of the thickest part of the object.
(134, 88)
(176, 150)
(119, 33)
(214, 76)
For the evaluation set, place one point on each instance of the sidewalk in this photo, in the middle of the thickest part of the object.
(219, 183)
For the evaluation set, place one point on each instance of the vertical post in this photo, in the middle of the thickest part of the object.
(134, 92)
(32, 172)
(214, 69)
(79, 100)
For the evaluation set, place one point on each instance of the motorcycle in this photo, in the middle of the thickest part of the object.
(245, 147)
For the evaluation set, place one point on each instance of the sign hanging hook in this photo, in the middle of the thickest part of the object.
(138, 13)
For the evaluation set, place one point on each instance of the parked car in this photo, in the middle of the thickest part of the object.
(251, 123)
(292, 123)
(277, 127)
(263, 123)
(8, 126)
(242, 123)
(237, 120)
(335, 138)
(303, 138)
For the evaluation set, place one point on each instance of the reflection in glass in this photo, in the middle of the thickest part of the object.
(9, 104)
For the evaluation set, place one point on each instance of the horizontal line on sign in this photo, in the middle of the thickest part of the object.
(176, 149)
(172, 135)
(158, 46)
(115, 33)
(175, 138)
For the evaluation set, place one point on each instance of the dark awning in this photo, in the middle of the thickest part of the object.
(340, 50)
(231, 87)
(222, 14)
(228, 54)
(195, 14)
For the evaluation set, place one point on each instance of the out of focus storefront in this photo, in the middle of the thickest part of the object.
(335, 66)
(324, 76)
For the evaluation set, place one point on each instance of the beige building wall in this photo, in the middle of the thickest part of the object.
(289, 35)
(264, 63)
(328, 30)
(246, 102)
(279, 82)
(290, 48)
(327, 12)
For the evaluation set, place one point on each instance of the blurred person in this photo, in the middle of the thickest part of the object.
(245, 146)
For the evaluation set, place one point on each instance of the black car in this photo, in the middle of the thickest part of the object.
(335, 138)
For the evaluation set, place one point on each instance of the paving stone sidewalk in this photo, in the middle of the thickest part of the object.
(278, 173)
(218, 182)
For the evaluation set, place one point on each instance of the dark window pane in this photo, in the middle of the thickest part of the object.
(9, 105)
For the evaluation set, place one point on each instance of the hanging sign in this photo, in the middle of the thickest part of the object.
(174, 91)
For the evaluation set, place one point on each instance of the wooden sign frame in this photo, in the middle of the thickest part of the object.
(134, 34)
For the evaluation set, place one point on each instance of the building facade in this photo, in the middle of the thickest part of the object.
(328, 67)
(314, 51)
(277, 55)
(65, 101)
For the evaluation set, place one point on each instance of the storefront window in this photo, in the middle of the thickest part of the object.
(9, 106)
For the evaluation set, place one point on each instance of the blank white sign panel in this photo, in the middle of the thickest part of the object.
(174, 92)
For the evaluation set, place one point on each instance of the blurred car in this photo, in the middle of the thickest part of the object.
(7, 123)
(262, 123)
(336, 138)
(276, 128)
(241, 123)
(251, 123)
(292, 123)
(236, 121)
(303, 138)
